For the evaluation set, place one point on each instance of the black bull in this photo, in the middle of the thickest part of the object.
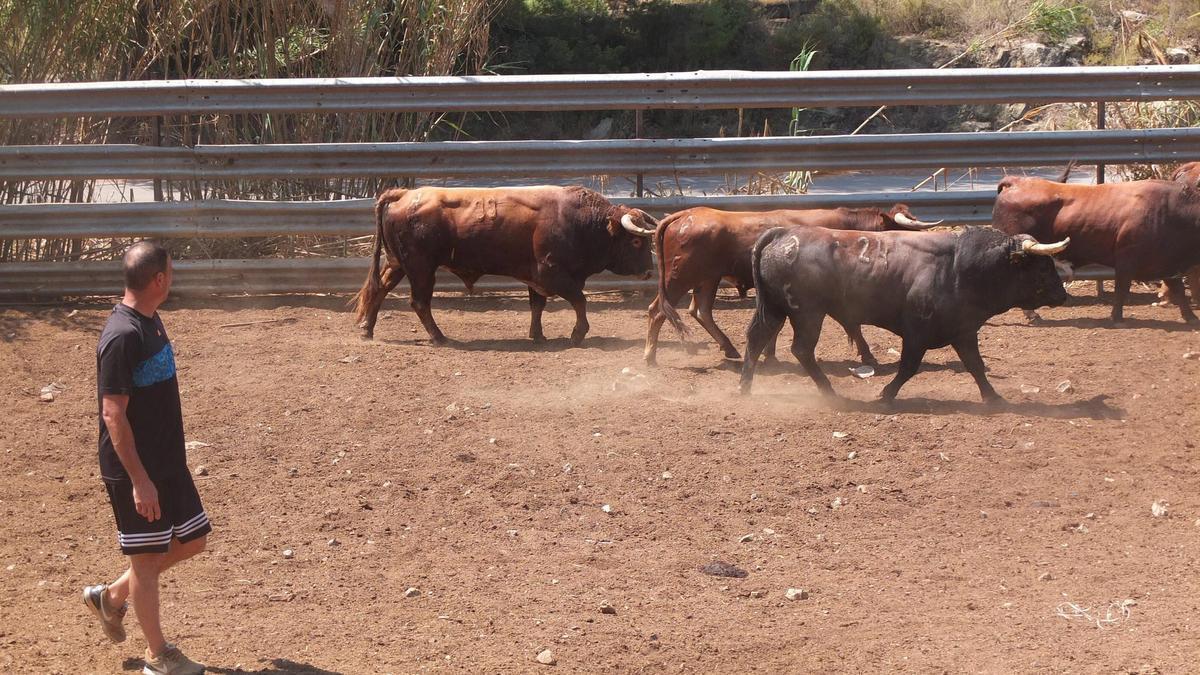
(933, 289)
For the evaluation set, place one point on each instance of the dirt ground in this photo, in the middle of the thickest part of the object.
(939, 535)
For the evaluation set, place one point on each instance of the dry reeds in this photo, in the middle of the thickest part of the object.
(102, 40)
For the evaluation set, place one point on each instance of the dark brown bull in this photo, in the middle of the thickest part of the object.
(699, 247)
(933, 290)
(1188, 174)
(549, 238)
(1145, 230)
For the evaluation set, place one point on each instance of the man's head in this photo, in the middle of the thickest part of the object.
(148, 270)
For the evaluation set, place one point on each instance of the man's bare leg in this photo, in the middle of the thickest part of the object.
(141, 581)
(118, 591)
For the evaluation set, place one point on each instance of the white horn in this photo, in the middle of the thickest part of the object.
(913, 222)
(1030, 246)
(627, 223)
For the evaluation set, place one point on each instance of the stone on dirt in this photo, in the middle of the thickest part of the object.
(796, 594)
(606, 608)
(718, 568)
(546, 658)
(202, 470)
(288, 554)
(412, 592)
(1159, 509)
(746, 538)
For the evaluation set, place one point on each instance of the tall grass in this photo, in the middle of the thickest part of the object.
(96, 40)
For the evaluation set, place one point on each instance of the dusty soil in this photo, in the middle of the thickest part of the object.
(960, 533)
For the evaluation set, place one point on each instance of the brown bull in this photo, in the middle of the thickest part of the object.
(549, 238)
(1188, 174)
(699, 247)
(1145, 230)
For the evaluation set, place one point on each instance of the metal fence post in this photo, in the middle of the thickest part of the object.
(637, 133)
(1100, 115)
(158, 188)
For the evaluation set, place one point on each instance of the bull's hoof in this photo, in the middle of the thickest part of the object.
(1191, 319)
(732, 354)
(651, 360)
(744, 388)
(439, 341)
(577, 339)
(870, 360)
(367, 335)
(994, 401)
(538, 339)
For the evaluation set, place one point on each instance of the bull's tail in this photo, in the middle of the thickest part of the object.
(762, 296)
(664, 305)
(368, 294)
(1066, 172)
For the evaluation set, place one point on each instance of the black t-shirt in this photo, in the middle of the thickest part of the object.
(134, 357)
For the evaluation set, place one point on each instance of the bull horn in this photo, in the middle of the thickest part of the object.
(627, 223)
(913, 222)
(1030, 246)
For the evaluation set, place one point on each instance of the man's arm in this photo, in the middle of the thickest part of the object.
(145, 495)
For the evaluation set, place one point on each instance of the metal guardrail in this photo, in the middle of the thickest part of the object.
(695, 90)
(355, 217)
(255, 277)
(612, 157)
(700, 90)
(26, 281)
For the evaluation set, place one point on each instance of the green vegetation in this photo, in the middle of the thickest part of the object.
(96, 40)
(81, 40)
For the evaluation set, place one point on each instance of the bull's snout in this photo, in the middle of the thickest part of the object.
(1058, 295)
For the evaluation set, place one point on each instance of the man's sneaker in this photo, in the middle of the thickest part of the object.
(171, 662)
(110, 619)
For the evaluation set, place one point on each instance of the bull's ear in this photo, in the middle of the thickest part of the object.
(614, 226)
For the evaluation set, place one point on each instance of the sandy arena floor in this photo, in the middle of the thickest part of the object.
(936, 536)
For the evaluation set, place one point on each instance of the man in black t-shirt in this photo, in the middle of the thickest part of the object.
(160, 521)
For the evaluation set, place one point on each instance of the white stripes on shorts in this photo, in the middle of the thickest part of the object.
(164, 537)
(146, 539)
(197, 522)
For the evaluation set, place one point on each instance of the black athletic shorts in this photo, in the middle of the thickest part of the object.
(182, 518)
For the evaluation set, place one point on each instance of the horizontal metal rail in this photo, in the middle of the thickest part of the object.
(611, 157)
(258, 276)
(22, 281)
(687, 90)
(355, 217)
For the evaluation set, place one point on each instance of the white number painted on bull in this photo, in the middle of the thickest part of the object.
(866, 246)
(790, 245)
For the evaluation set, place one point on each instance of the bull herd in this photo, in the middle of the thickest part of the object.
(932, 287)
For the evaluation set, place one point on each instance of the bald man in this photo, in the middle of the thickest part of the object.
(160, 520)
